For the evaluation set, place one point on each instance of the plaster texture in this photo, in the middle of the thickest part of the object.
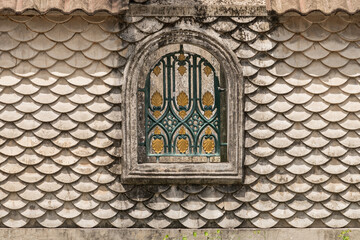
(175, 234)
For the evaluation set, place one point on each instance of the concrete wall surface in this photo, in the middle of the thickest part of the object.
(153, 234)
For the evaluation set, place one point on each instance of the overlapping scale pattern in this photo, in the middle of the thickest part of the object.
(302, 122)
(60, 120)
(60, 125)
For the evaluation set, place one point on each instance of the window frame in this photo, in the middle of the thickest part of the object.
(195, 55)
(185, 172)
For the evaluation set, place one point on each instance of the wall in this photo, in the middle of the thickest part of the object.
(60, 115)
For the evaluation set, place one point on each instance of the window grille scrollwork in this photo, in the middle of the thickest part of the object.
(182, 107)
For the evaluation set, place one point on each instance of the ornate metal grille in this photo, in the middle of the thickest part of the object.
(182, 107)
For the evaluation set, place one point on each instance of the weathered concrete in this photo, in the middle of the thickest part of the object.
(152, 234)
(203, 10)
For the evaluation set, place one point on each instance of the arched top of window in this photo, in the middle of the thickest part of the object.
(183, 109)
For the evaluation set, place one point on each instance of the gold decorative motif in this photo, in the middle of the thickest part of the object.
(182, 70)
(156, 99)
(182, 114)
(183, 143)
(157, 70)
(182, 131)
(208, 131)
(208, 143)
(182, 57)
(207, 70)
(157, 131)
(208, 99)
(182, 99)
(157, 114)
(157, 144)
(207, 113)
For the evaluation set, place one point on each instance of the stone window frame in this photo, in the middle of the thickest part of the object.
(138, 66)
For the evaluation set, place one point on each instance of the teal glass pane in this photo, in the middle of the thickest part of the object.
(182, 107)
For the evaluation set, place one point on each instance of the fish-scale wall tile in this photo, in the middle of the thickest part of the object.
(47, 97)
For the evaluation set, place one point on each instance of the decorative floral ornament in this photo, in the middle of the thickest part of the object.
(182, 101)
(207, 70)
(157, 70)
(156, 101)
(208, 101)
(208, 143)
(183, 143)
(157, 144)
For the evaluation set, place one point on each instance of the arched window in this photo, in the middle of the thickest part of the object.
(183, 109)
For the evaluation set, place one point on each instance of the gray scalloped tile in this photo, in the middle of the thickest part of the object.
(31, 193)
(282, 211)
(140, 211)
(318, 211)
(14, 220)
(334, 167)
(336, 203)
(68, 211)
(32, 211)
(246, 212)
(102, 176)
(336, 220)
(298, 78)
(224, 25)
(352, 212)
(122, 220)
(229, 220)
(315, 33)
(264, 220)
(300, 220)
(104, 211)
(50, 202)
(77, 43)
(300, 203)
(175, 212)
(244, 35)
(211, 212)
(30, 175)
(158, 220)
(86, 202)
(350, 52)
(193, 203)
(54, 18)
(174, 194)
(281, 194)
(86, 220)
(296, 23)
(316, 175)
(158, 203)
(59, 33)
(193, 220)
(67, 193)
(76, 24)
(245, 51)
